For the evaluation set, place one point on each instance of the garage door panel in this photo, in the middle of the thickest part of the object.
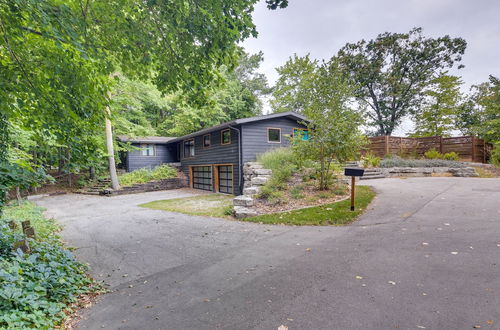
(202, 177)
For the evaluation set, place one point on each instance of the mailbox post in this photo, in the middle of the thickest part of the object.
(353, 172)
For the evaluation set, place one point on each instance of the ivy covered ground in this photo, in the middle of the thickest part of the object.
(39, 289)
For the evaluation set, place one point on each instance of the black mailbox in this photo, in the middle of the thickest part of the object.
(354, 171)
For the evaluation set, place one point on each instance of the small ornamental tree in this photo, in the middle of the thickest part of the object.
(334, 134)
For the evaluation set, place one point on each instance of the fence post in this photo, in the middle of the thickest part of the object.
(473, 148)
(386, 145)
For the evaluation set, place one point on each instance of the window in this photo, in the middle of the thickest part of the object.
(274, 135)
(225, 136)
(304, 132)
(189, 148)
(148, 149)
(206, 141)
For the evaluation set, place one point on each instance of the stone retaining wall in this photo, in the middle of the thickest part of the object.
(254, 175)
(166, 184)
(428, 171)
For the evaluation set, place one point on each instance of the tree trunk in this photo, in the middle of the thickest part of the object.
(91, 172)
(115, 184)
(4, 140)
(70, 181)
(18, 195)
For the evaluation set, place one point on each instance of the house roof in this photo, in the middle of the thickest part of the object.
(145, 139)
(290, 114)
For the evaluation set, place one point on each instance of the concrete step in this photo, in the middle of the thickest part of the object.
(375, 176)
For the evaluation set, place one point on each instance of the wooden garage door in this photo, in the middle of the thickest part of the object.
(225, 179)
(202, 177)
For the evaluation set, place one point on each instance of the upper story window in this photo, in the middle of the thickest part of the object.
(302, 131)
(225, 136)
(206, 141)
(188, 148)
(148, 149)
(274, 135)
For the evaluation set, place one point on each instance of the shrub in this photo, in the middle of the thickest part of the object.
(396, 161)
(451, 156)
(296, 192)
(38, 287)
(495, 155)
(432, 154)
(144, 175)
(340, 190)
(370, 160)
(284, 164)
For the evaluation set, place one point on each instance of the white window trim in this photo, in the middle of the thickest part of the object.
(269, 128)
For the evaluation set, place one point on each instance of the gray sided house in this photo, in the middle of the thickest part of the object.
(212, 159)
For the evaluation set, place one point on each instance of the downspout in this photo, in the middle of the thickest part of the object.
(239, 158)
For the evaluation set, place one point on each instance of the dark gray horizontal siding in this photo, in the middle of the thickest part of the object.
(215, 154)
(164, 154)
(255, 136)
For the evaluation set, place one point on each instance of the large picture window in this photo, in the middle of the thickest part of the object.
(148, 149)
(225, 136)
(188, 148)
(274, 135)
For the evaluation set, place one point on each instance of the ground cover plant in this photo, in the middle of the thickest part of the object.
(212, 205)
(396, 161)
(338, 213)
(37, 289)
(144, 175)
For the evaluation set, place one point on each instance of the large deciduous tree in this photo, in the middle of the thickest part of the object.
(439, 108)
(57, 57)
(334, 134)
(393, 70)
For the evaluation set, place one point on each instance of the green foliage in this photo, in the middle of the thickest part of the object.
(441, 103)
(432, 154)
(324, 97)
(370, 160)
(340, 190)
(495, 155)
(396, 161)
(283, 163)
(297, 192)
(211, 205)
(37, 288)
(338, 213)
(451, 156)
(144, 175)
(392, 71)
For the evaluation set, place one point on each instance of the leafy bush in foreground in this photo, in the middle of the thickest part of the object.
(144, 175)
(396, 161)
(36, 288)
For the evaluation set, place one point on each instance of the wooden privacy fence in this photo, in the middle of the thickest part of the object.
(468, 148)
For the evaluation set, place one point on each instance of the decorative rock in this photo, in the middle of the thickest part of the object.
(244, 212)
(463, 172)
(251, 191)
(440, 169)
(263, 171)
(259, 180)
(243, 200)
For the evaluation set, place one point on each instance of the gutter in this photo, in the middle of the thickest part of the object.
(239, 157)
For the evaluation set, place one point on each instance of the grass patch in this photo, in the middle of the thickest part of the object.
(37, 290)
(144, 175)
(484, 173)
(212, 205)
(329, 214)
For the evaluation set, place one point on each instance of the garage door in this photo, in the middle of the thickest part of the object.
(225, 179)
(202, 177)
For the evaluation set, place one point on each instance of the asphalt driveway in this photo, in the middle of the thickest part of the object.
(426, 255)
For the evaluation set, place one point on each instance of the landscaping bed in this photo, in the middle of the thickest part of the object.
(40, 287)
(338, 213)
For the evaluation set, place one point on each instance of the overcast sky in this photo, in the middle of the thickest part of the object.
(322, 27)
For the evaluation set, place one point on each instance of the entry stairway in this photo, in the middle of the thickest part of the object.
(370, 173)
(97, 188)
